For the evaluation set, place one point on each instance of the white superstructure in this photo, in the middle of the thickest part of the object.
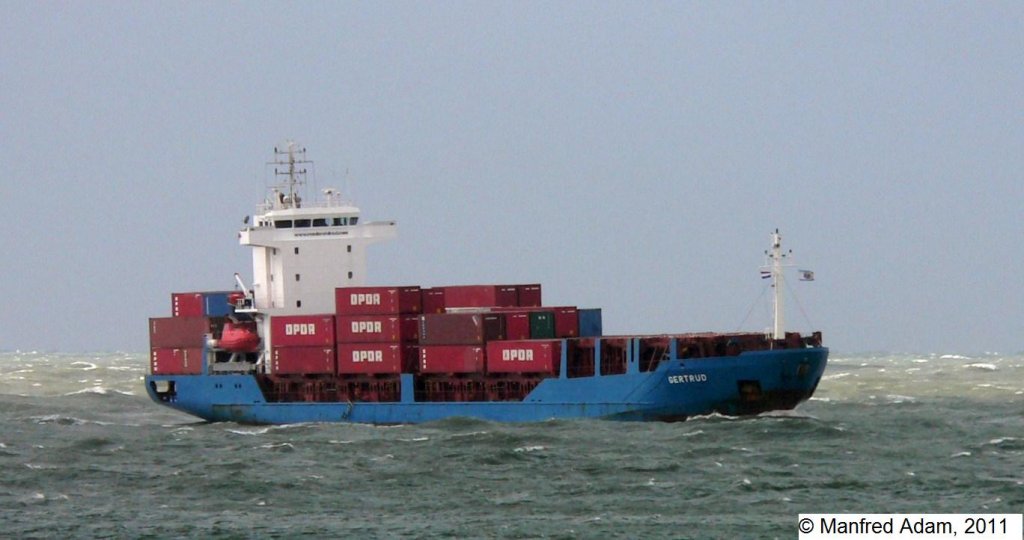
(302, 251)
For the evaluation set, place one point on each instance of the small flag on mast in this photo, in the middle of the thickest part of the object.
(806, 275)
(765, 274)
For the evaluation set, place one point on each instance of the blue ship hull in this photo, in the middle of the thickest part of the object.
(749, 383)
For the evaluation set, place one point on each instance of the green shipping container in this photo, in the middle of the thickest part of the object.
(542, 325)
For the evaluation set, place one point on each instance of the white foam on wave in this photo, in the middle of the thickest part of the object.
(92, 390)
(415, 439)
(89, 366)
(961, 454)
(954, 357)
(469, 434)
(525, 449)
(255, 431)
(982, 366)
(1001, 440)
(26, 370)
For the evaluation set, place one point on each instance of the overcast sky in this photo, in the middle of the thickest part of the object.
(630, 156)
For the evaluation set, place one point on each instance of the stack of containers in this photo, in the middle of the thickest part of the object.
(438, 299)
(377, 328)
(176, 343)
(200, 304)
(543, 322)
(302, 345)
(453, 342)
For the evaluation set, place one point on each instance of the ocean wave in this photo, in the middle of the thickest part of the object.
(468, 434)
(279, 447)
(982, 366)
(26, 370)
(415, 439)
(255, 431)
(89, 366)
(62, 420)
(525, 449)
(92, 390)
(1006, 442)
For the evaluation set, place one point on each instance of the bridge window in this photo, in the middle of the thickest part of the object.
(340, 221)
(283, 224)
(320, 222)
(353, 220)
(302, 222)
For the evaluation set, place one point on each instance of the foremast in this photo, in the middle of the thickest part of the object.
(775, 265)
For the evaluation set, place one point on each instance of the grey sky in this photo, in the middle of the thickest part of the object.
(629, 156)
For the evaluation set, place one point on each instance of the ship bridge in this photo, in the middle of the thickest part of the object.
(302, 251)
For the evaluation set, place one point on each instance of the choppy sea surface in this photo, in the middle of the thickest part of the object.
(84, 453)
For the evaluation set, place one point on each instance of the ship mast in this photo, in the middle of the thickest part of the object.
(775, 266)
(295, 175)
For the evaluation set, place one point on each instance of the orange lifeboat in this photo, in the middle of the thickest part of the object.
(239, 337)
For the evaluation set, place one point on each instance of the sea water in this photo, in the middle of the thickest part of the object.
(85, 453)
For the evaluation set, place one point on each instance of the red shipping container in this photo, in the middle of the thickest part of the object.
(517, 325)
(302, 360)
(433, 300)
(535, 356)
(187, 305)
(461, 328)
(176, 361)
(182, 332)
(377, 300)
(302, 331)
(451, 359)
(377, 328)
(528, 295)
(480, 296)
(567, 321)
(371, 357)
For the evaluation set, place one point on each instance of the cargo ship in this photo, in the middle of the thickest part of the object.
(310, 341)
